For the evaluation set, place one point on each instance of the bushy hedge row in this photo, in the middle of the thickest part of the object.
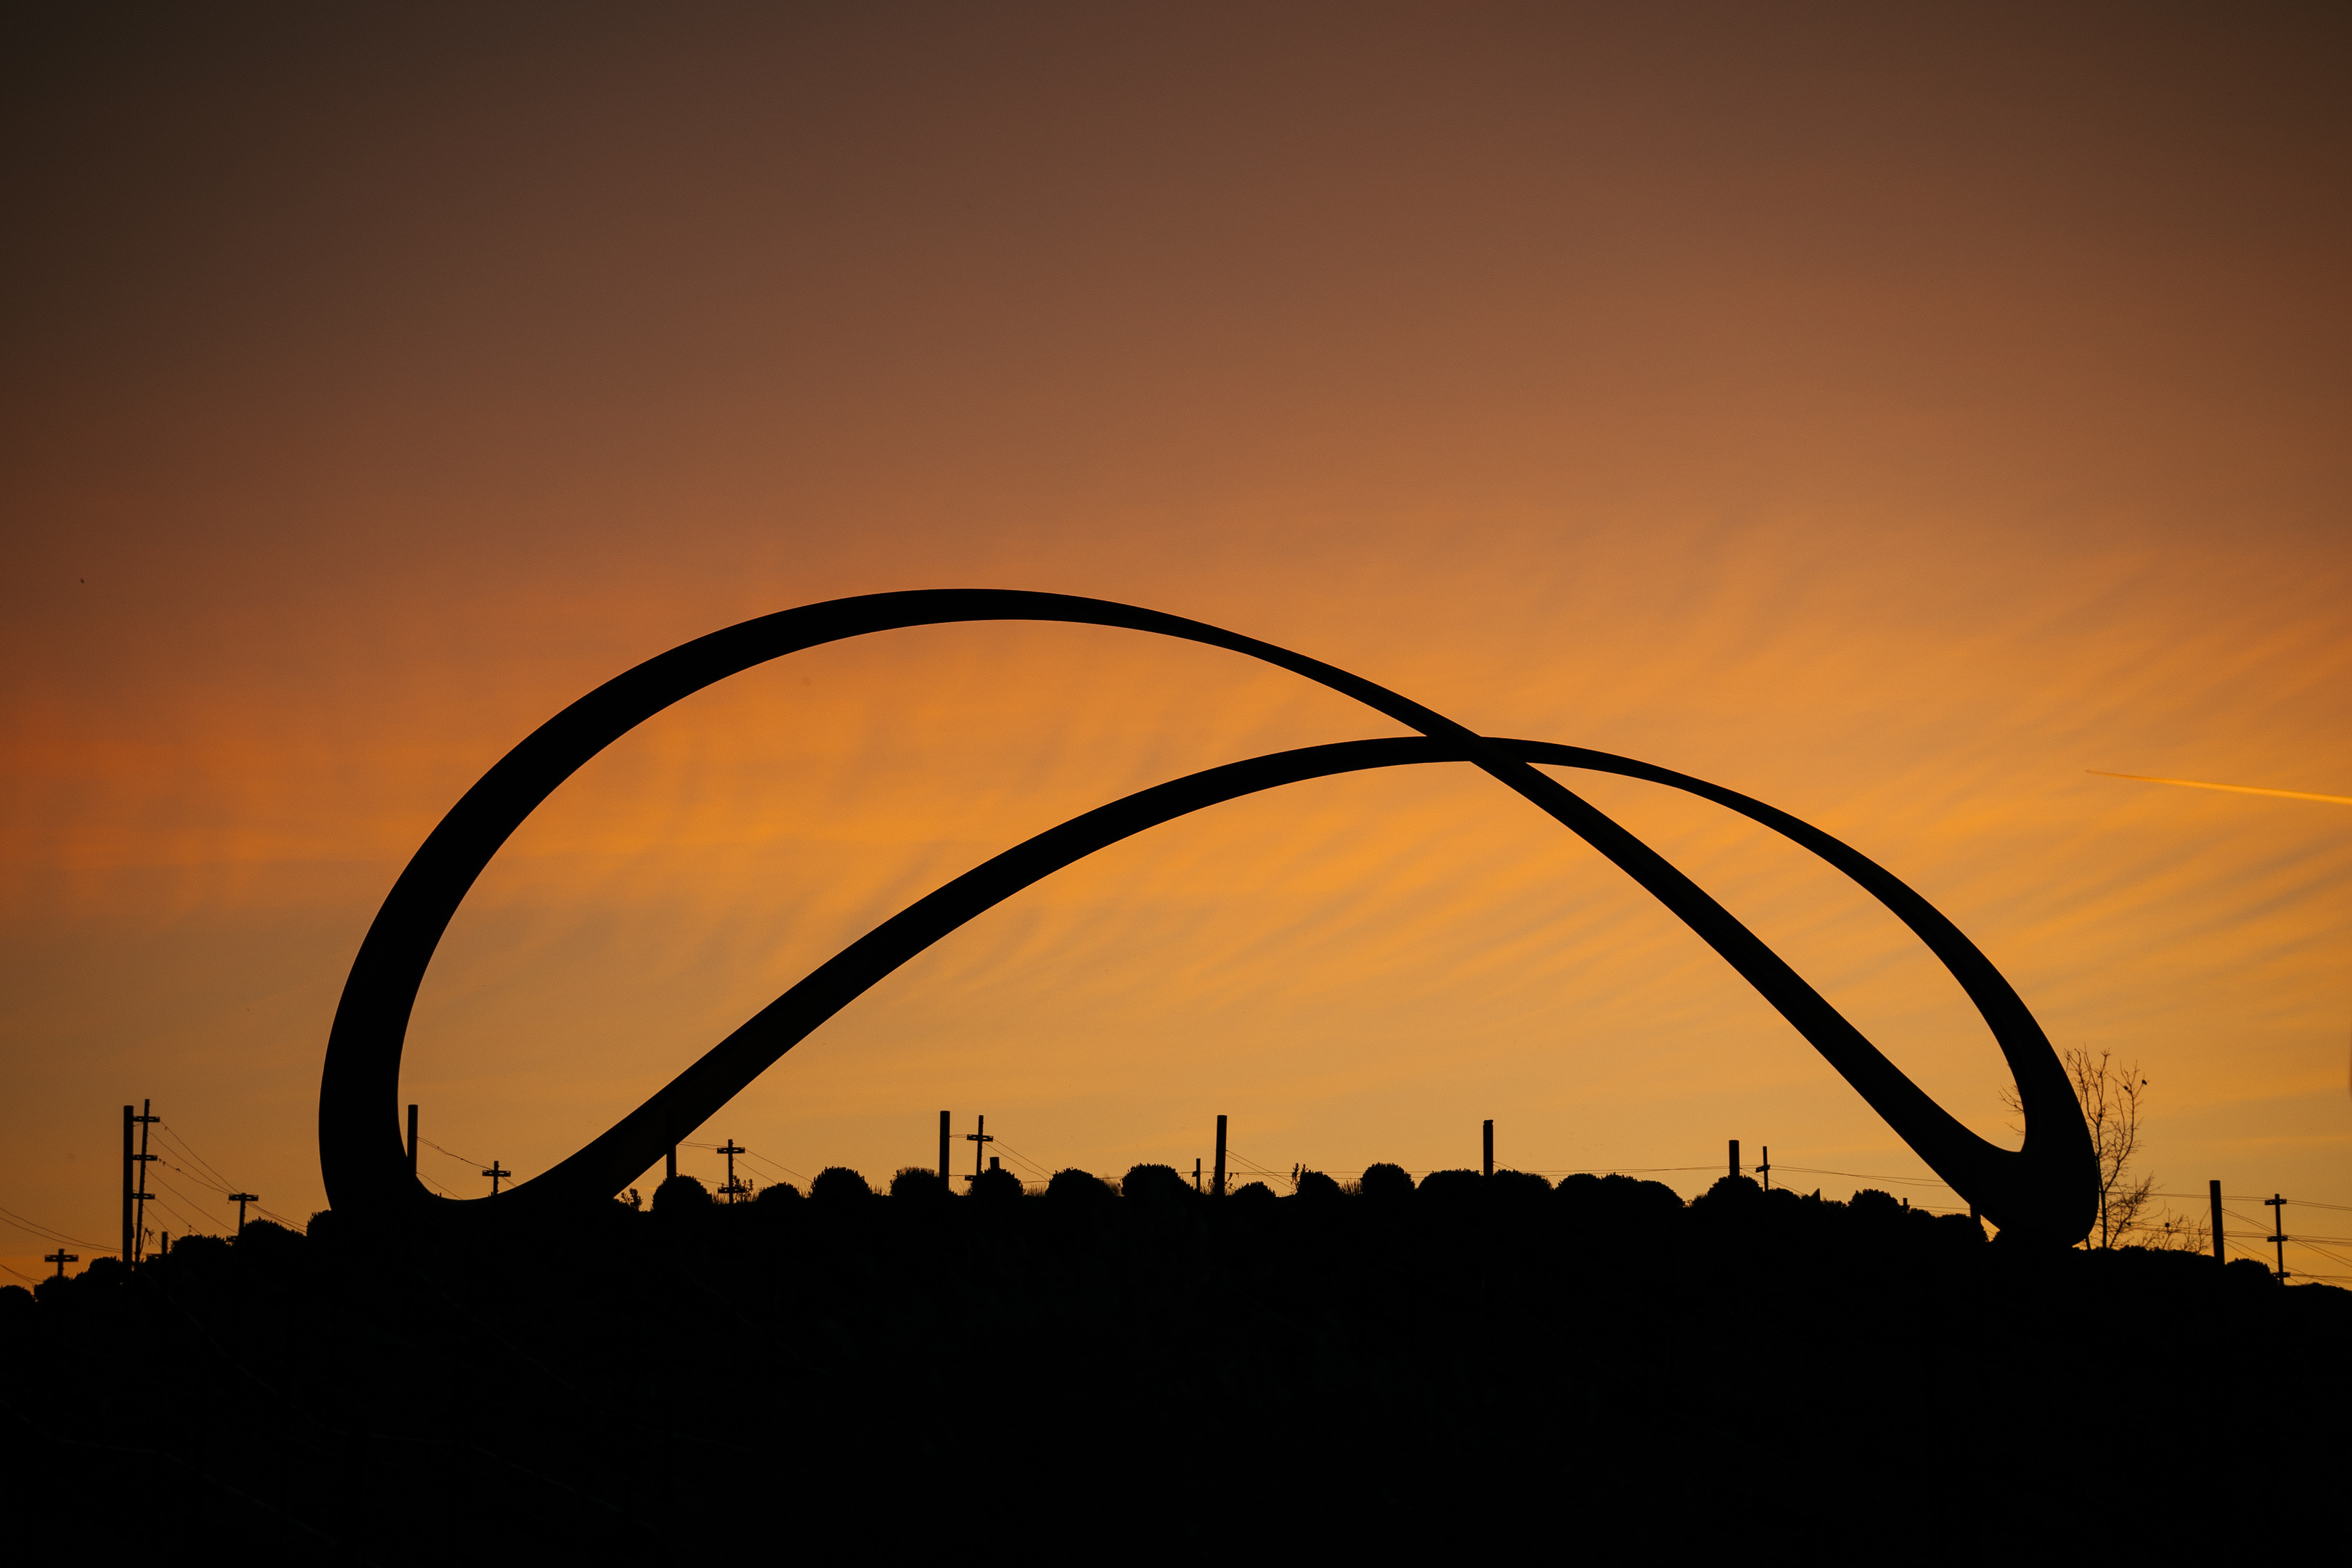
(1119, 1367)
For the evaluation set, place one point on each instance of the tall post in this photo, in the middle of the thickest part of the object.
(2213, 1191)
(2277, 1206)
(1764, 1168)
(412, 1142)
(733, 1190)
(980, 1140)
(240, 1199)
(943, 1146)
(1196, 1173)
(128, 1112)
(139, 1215)
(1217, 1180)
(1734, 1159)
(61, 1257)
(1490, 1146)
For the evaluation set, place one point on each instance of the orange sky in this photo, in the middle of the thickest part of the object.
(1891, 418)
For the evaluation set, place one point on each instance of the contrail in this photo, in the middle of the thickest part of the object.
(2234, 789)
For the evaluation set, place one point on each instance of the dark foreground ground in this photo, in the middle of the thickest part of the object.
(1483, 1368)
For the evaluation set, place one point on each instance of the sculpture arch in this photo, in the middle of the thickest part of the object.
(2045, 1190)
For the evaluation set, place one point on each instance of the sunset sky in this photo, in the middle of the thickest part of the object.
(1896, 417)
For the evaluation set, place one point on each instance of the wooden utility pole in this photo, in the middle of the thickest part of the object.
(412, 1142)
(61, 1257)
(1764, 1168)
(943, 1147)
(980, 1141)
(1734, 1159)
(496, 1173)
(1196, 1173)
(733, 1190)
(127, 1168)
(1490, 1146)
(2277, 1206)
(240, 1199)
(2213, 1191)
(1217, 1182)
(141, 1197)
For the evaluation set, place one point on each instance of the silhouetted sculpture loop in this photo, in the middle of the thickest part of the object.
(2046, 1189)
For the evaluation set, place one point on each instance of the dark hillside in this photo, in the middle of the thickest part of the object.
(1598, 1366)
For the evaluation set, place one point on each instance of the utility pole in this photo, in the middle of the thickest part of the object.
(1196, 1173)
(1217, 1182)
(1490, 1145)
(139, 1218)
(496, 1173)
(980, 1141)
(240, 1199)
(412, 1142)
(61, 1257)
(943, 1148)
(2278, 1224)
(1734, 1159)
(2213, 1190)
(127, 1168)
(1765, 1169)
(733, 1190)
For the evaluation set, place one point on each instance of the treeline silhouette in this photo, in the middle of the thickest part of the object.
(1137, 1369)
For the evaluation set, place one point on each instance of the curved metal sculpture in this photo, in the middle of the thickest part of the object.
(2044, 1191)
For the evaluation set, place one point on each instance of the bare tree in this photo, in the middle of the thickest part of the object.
(2110, 1098)
(2177, 1233)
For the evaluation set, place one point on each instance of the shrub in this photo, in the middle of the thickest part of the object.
(775, 1195)
(681, 1195)
(919, 1183)
(1875, 1207)
(1516, 1186)
(1255, 1194)
(266, 1238)
(1155, 1184)
(1582, 1190)
(839, 1184)
(199, 1251)
(1316, 1187)
(1385, 1184)
(1731, 1197)
(997, 1185)
(1077, 1187)
(1449, 1189)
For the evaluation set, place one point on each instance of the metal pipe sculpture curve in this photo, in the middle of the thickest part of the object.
(2043, 1191)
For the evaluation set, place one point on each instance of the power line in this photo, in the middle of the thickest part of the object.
(190, 1151)
(1024, 1159)
(451, 1153)
(183, 1218)
(751, 1155)
(46, 1233)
